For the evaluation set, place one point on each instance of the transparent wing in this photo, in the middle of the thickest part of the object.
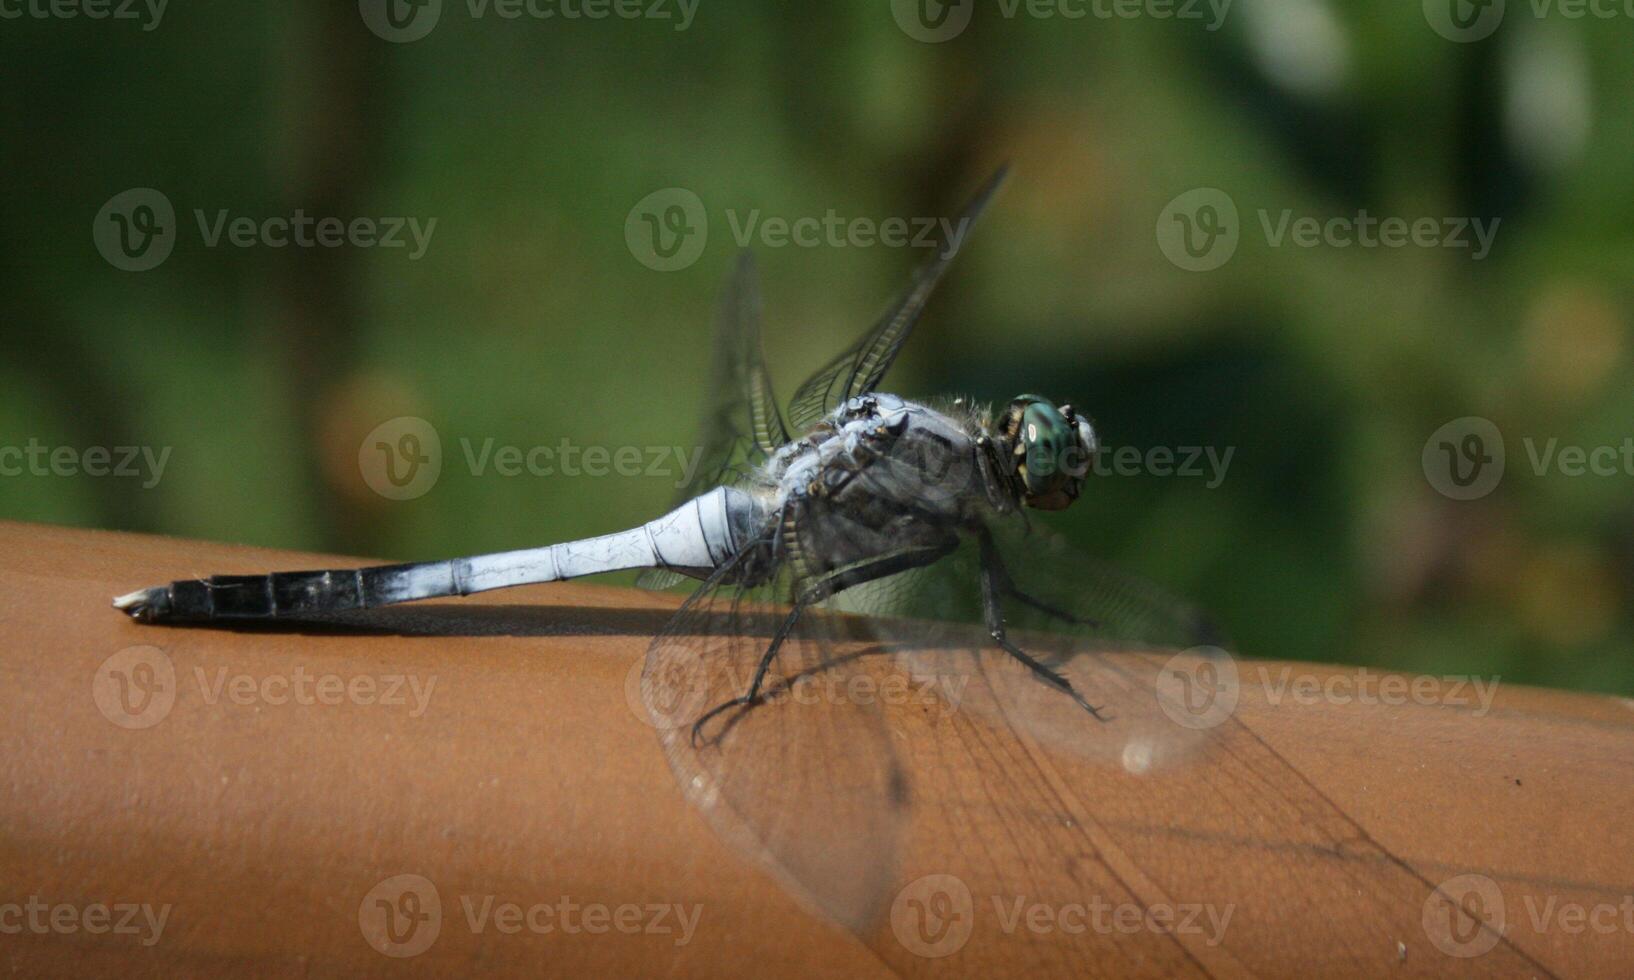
(1129, 648)
(859, 369)
(741, 423)
(805, 780)
(1000, 807)
(1186, 797)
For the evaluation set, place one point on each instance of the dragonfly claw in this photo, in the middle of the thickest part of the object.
(698, 726)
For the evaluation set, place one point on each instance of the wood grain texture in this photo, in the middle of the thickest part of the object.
(1337, 833)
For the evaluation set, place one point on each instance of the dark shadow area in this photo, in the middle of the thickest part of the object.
(468, 620)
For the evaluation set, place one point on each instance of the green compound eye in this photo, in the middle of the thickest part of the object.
(1053, 449)
(1045, 436)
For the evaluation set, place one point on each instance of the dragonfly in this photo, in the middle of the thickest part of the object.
(853, 552)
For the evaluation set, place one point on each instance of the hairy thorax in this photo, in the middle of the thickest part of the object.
(879, 475)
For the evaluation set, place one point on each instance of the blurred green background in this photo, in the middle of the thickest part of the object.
(529, 319)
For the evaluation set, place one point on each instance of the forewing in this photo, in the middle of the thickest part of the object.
(805, 780)
(741, 423)
(860, 368)
(1129, 648)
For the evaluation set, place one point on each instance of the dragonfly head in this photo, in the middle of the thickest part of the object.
(1051, 449)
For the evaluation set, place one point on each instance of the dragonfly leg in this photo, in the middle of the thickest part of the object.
(749, 697)
(1047, 609)
(837, 580)
(992, 558)
(993, 585)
